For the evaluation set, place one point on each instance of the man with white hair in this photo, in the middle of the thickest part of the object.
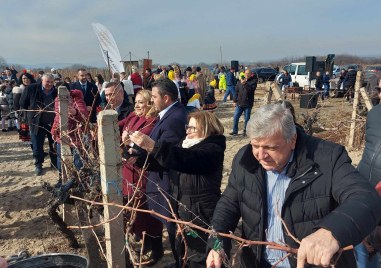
(56, 74)
(286, 176)
(38, 100)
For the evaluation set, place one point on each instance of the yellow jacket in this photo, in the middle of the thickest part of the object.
(222, 82)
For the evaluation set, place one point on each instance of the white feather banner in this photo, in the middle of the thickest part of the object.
(109, 48)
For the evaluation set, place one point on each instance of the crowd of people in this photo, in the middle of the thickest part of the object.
(344, 86)
(166, 120)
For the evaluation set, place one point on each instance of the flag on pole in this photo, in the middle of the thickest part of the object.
(109, 48)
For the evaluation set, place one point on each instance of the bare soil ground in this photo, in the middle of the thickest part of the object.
(24, 223)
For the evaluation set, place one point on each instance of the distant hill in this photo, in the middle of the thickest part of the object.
(57, 65)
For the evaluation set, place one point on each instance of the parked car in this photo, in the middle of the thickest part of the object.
(264, 74)
(372, 71)
(373, 68)
(371, 79)
(298, 73)
(356, 67)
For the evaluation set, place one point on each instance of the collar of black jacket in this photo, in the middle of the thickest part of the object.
(300, 163)
(217, 139)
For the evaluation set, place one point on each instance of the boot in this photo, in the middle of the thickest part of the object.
(156, 244)
(175, 247)
(53, 160)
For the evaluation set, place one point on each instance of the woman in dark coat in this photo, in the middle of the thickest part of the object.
(196, 165)
(25, 79)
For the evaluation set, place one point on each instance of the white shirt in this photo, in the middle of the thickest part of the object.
(162, 113)
(195, 103)
(178, 89)
(277, 184)
(128, 87)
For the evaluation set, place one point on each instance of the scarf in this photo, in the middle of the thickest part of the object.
(187, 143)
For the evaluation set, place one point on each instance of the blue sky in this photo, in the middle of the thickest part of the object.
(184, 31)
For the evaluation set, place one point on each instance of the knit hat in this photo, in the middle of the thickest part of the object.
(171, 75)
(194, 97)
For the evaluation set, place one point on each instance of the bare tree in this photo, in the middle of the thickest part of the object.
(3, 62)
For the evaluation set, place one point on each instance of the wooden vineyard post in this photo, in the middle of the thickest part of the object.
(277, 91)
(272, 89)
(368, 104)
(66, 167)
(268, 93)
(63, 96)
(111, 180)
(354, 111)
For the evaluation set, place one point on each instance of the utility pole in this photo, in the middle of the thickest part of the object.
(221, 55)
(130, 63)
(108, 64)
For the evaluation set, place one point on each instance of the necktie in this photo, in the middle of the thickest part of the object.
(83, 89)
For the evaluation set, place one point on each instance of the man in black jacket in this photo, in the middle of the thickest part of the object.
(349, 84)
(90, 93)
(170, 128)
(38, 100)
(149, 79)
(244, 100)
(370, 168)
(370, 164)
(117, 99)
(309, 183)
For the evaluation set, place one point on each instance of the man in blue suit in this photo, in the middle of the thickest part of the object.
(10, 75)
(90, 93)
(170, 128)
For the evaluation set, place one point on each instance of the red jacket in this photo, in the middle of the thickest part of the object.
(136, 81)
(74, 122)
(131, 173)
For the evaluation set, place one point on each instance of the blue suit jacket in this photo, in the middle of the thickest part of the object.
(89, 96)
(171, 128)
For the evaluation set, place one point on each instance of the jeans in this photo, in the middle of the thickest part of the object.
(325, 92)
(38, 146)
(237, 114)
(364, 260)
(230, 90)
(76, 158)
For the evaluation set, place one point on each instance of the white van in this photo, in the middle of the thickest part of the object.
(298, 73)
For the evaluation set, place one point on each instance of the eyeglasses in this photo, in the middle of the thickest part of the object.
(191, 128)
